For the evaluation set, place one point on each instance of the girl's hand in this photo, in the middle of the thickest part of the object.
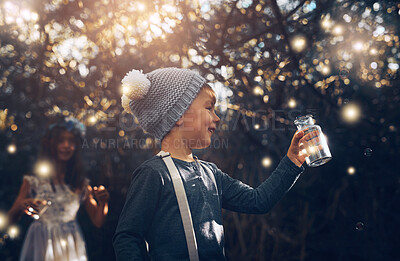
(101, 194)
(32, 205)
(296, 153)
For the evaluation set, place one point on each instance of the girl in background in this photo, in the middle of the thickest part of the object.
(53, 196)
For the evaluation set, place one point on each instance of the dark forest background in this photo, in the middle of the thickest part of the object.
(269, 61)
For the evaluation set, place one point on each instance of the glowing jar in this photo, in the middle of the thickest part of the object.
(316, 145)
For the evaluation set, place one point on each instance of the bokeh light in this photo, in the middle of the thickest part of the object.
(292, 103)
(351, 113)
(68, 57)
(92, 120)
(351, 170)
(11, 149)
(358, 46)
(44, 169)
(3, 220)
(299, 43)
(266, 162)
(338, 30)
(13, 231)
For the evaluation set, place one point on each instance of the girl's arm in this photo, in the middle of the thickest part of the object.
(97, 206)
(17, 209)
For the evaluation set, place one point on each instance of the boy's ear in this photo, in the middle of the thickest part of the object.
(179, 122)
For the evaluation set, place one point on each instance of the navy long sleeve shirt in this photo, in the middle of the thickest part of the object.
(151, 211)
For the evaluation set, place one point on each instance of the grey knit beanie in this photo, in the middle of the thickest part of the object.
(159, 98)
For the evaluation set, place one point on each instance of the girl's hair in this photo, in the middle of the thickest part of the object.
(74, 175)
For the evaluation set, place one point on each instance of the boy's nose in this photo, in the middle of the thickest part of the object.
(216, 118)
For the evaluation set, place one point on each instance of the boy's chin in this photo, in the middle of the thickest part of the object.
(201, 147)
(201, 144)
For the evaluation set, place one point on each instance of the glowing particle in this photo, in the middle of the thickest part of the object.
(358, 46)
(299, 43)
(43, 169)
(11, 148)
(351, 113)
(325, 70)
(13, 232)
(92, 120)
(3, 220)
(266, 162)
(337, 30)
(351, 170)
(292, 103)
(258, 90)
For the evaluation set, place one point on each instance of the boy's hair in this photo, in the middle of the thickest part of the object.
(210, 91)
(159, 98)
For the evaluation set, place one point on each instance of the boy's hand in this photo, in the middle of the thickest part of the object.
(296, 153)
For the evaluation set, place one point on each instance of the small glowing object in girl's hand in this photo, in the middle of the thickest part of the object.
(42, 210)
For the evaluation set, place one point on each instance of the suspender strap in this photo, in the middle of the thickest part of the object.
(183, 206)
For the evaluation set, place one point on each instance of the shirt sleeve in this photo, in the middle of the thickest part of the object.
(239, 197)
(135, 219)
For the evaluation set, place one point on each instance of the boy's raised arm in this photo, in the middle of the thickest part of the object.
(237, 196)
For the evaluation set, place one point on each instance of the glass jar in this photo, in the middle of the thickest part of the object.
(316, 146)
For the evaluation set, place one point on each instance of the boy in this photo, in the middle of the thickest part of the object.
(178, 107)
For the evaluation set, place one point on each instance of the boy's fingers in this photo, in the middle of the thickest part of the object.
(297, 137)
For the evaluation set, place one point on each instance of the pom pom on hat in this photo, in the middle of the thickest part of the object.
(135, 86)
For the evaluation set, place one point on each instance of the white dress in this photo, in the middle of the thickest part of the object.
(56, 234)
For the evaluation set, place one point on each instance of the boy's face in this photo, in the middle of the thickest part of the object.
(199, 121)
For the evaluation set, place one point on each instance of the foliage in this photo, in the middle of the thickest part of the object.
(269, 61)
